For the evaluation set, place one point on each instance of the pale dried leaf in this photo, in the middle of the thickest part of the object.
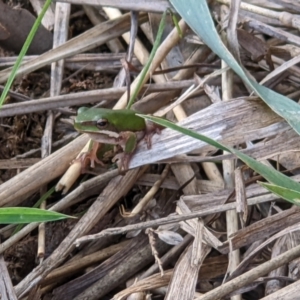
(169, 237)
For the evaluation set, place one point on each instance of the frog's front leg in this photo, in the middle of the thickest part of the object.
(151, 129)
(128, 141)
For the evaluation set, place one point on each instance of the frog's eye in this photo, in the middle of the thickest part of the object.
(102, 123)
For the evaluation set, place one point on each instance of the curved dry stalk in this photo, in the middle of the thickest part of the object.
(150, 194)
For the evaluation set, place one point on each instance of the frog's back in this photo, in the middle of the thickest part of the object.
(126, 119)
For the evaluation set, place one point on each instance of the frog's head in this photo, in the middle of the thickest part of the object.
(94, 120)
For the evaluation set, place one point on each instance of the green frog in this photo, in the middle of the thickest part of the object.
(122, 128)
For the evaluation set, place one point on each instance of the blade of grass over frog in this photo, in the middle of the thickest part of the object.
(287, 194)
(269, 174)
(149, 62)
(16, 215)
(23, 51)
(197, 15)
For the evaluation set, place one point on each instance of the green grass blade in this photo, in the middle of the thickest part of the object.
(23, 51)
(197, 15)
(37, 204)
(149, 62)
(20, 215)
(272, 175)
(287, 194)
(44, 197)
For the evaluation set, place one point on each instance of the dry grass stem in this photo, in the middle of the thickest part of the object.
(6, 286)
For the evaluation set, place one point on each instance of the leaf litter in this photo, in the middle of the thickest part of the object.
(206, 252)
